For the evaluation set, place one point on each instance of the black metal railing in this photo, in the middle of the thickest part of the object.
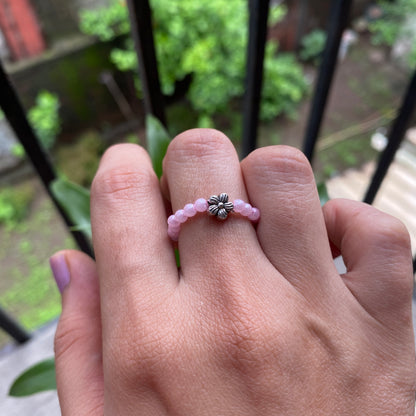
(15, 115)
(140, 15)
(338, 20)
(259, 12)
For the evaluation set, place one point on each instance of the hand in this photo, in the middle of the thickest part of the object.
(257, 321)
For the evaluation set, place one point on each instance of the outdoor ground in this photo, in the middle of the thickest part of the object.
(367, 89)
(27, 289)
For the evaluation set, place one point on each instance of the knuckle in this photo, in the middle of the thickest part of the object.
(123, 182)
(198, 143)
(125, 356)
(390, 238)
(245, 339)
(398, 234)
(136, 356)
(282, 164)
(390, 232)
(68, 336)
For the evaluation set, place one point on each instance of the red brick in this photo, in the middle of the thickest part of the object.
(21, 29)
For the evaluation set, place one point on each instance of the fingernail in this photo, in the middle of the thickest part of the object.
(60, 271)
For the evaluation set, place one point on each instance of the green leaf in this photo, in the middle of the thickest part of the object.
(18, 150)
(323, 193)
(178, 260)
(157, 142)
(40, 377)
(75, 201)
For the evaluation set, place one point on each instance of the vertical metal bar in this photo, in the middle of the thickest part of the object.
(141, 30)
(338, 19)
(303, 18)
(259, 11)
(8, 324)
(414, 264)
(13, 110)
(396, 136)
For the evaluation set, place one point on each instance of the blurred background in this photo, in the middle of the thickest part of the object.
(74, 67)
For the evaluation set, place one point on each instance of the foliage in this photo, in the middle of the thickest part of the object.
(27, 290)
(352, 152)
(112, 21)
(313, 45)
(40, 377)
(412, 56)
(284, 79)
(33, 297)
(386, 29)
(75, 201)
(207, 39)
(14, 205)
(323, 193)
(392, 25)
(18, 150)
(44, 119)
(79, 161)
(157, 143)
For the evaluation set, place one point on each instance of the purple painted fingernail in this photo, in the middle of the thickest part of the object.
(60, 271)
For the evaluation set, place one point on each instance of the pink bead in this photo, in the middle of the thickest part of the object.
(180, 216)
(175, 226)
(173, 221)
(246, 210)
(189, 210)
(238, 205)
(173, 234)
(254, 215)
(201, 205)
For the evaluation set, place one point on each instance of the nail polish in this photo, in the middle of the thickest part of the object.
(60, 271)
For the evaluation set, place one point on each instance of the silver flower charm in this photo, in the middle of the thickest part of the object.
(219, 206)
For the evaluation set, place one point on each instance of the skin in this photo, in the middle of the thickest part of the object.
(257, 321)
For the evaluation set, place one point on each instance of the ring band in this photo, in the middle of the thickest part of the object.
(216, 205)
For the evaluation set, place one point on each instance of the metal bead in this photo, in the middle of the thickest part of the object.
(222, 214)
(219, 206)
(213, 209)
(223, 197)
(229, 206)
(213, 200)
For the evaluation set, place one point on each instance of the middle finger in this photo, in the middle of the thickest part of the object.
(200, 163)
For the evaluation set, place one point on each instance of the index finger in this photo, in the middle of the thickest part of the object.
(134, 256)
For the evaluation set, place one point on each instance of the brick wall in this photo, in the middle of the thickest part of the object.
(20, 28)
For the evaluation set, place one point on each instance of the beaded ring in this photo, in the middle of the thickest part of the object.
(218, 206)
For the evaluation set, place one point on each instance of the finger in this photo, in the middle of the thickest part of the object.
(134, 257)
(78, 357)
(376, 251)
(200, 163)
(292, 233)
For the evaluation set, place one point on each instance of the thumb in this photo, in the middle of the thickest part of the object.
(376, 249)
(78, 356)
